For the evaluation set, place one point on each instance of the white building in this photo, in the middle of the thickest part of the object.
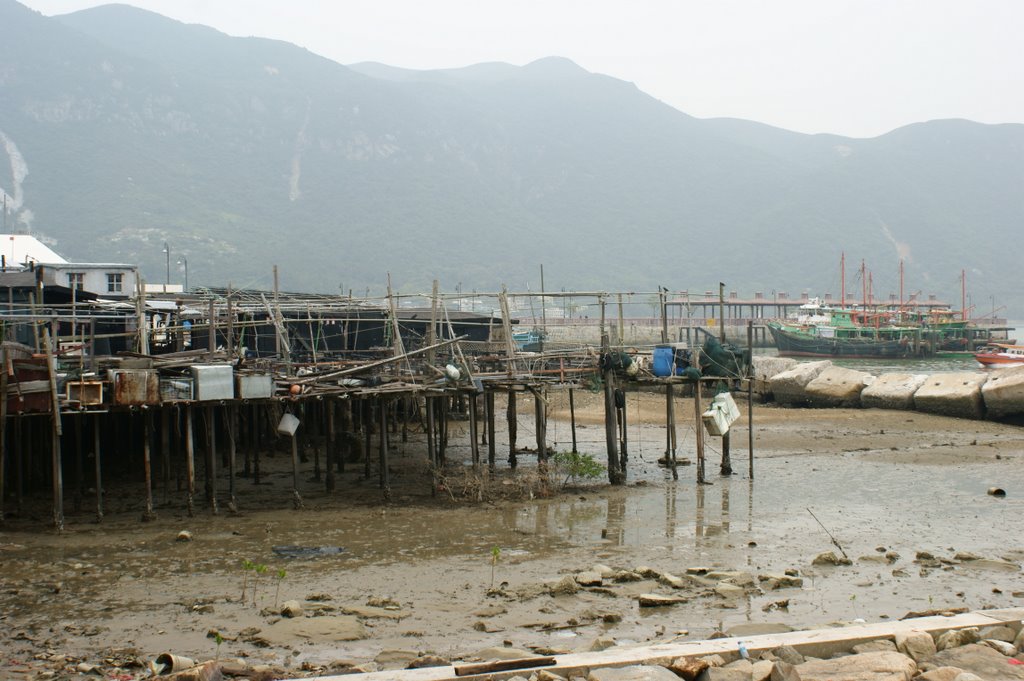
(21, 252)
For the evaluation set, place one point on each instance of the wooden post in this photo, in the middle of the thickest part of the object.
(58, 478)
(212, 329)
(165, 449)
(330, 406)
(232, 425)
(474, 442)
(79, 465)
(147, 465)
(254, 443)
(98, 467)
(3, 425)
(366, 421)
(541, 428)
(699, 422)
(296, 497)
(513, 424)
(624, 441)
(385, 480)
(190, 460)
(750, 398)
(615, 476)
(670, 429)
(431, 445)
(726, 468)
(489, 415)
(211, 459)
(572, 417)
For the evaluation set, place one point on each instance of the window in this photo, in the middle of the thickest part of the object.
(76, 281)
(115, 282)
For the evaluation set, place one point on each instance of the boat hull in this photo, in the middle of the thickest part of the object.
(795, 344)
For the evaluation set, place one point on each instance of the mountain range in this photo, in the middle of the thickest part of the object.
(122, 130)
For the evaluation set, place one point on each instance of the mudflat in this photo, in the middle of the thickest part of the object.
(495, 560)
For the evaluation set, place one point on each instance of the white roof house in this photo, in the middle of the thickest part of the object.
(21, 249)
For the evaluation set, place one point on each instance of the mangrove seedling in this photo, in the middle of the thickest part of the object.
(260, 569)
(219, 639)
(280, 578)
(246, 566)
(495, 555)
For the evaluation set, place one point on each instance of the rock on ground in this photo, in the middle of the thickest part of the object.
(918, 645)
(892, 391)
(953, 394)
(940, 674)
(837, 387)
(957, 637)
(880, 645)
(880, 666)
(1003, 392)
(987, 663)
(634, 673)
(789, 386)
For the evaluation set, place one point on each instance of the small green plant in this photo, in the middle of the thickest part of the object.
(853, 599)
(246, 566)
(219, 639)
(281, 574)
(260, 569)
(577, 466)
(495, 556)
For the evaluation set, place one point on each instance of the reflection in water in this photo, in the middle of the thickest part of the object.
(614, 530)
(699, 515)
(725, 504)
(670, 509)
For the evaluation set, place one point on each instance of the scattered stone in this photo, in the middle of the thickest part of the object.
(830, 558)
(396, 659)
(788, 654)
(746, 665)
(566, 586)
(589, 578)
(941, 674)
(1018, 640)
(966, 556)
(981, 660)
(924, 555)
(490, 611)
(428, 661)
(1000, 646)
(879, 645)
(879, 666)
(319, 597)
(789, 386)
(998, 633)
(968, 676)
(728, 590)
(486, 627)
(993, 564)
(761, 670)
(672, 581)
(545, 675)
(918, 645)
(656, 600)
(626, 576)
(689, 668)
(726, 674)
(776, 581)
(291, 609)
(837, 387)
(602, 643)
(737, 577)
(503, 653)
(380, 602)
(374, 612)
(634, 673)
(956, 638)
(714, 660)
(697, 570)
(184, 535)
(783, 671)
(603, 570)
(647, 572)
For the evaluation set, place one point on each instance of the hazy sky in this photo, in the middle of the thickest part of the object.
(854, 67)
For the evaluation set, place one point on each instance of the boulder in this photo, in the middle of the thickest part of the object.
(656, 600)
(1000, 646)
(672, 581)
(783, 671)
(998, 633)
(953, 394)
(602, 643)
(428, 661)
(788, 654)
(291, 609)
(830, 558)
(780, 581)
(918, 645)
(789, 386)
(880, 645)
(566, 586)
(634, 673)
(880, 666)
(766, 368)
(956, 638)
(688, 668)
(940, 674)
(892, 391)
(837, 387)
(729, 590)
(1003, 392)
(762, 670)
(981, 660)
(725, 674)
(589, 578)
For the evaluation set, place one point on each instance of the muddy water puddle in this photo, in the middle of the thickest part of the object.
(923, 487)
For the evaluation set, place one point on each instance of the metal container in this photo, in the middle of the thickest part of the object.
(135, 386)
(175, 389)
(85, 392)
(254, 386)
(213, 382)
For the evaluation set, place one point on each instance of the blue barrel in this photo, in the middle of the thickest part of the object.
(664, 360)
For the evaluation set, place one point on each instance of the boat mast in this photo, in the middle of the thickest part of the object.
(863, 285)
(901, 290)
(963, 293)
(842, 275)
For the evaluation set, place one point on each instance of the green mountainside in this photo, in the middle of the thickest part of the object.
(123, 129)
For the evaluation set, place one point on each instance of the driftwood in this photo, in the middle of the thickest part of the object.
(503, 665)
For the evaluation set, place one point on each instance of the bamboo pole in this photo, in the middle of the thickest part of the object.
(147, 438)
(190, 460)
(3, 426)
(98, 467)
(58, 479)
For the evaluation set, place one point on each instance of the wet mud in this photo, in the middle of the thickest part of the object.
(421, 574)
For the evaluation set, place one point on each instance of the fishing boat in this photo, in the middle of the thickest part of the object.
(1000, 355)
(823, 331)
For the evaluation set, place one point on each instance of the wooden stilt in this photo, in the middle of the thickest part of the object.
(190, 460)
(58, 477)
(611, 440)
(332, 443)
(22, 443)
(474, 443)
(385, 480)
(750, 399)
(431, 446)
(147, 465)
(3, 428)
(231, 426)
(513, 423)
(344, 448)
(296, 497)
(698, 423)
(540, 424)
(726, 467)
(365, 422)
(489, 409)
(670, 429)
(572, 417)
(211, 459)
(97, 459)
(624, 439)
(79, 465)
(165, 450)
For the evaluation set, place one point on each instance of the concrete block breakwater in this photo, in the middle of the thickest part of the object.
(993, 395)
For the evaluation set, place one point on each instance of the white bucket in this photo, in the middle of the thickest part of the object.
(288, 425)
